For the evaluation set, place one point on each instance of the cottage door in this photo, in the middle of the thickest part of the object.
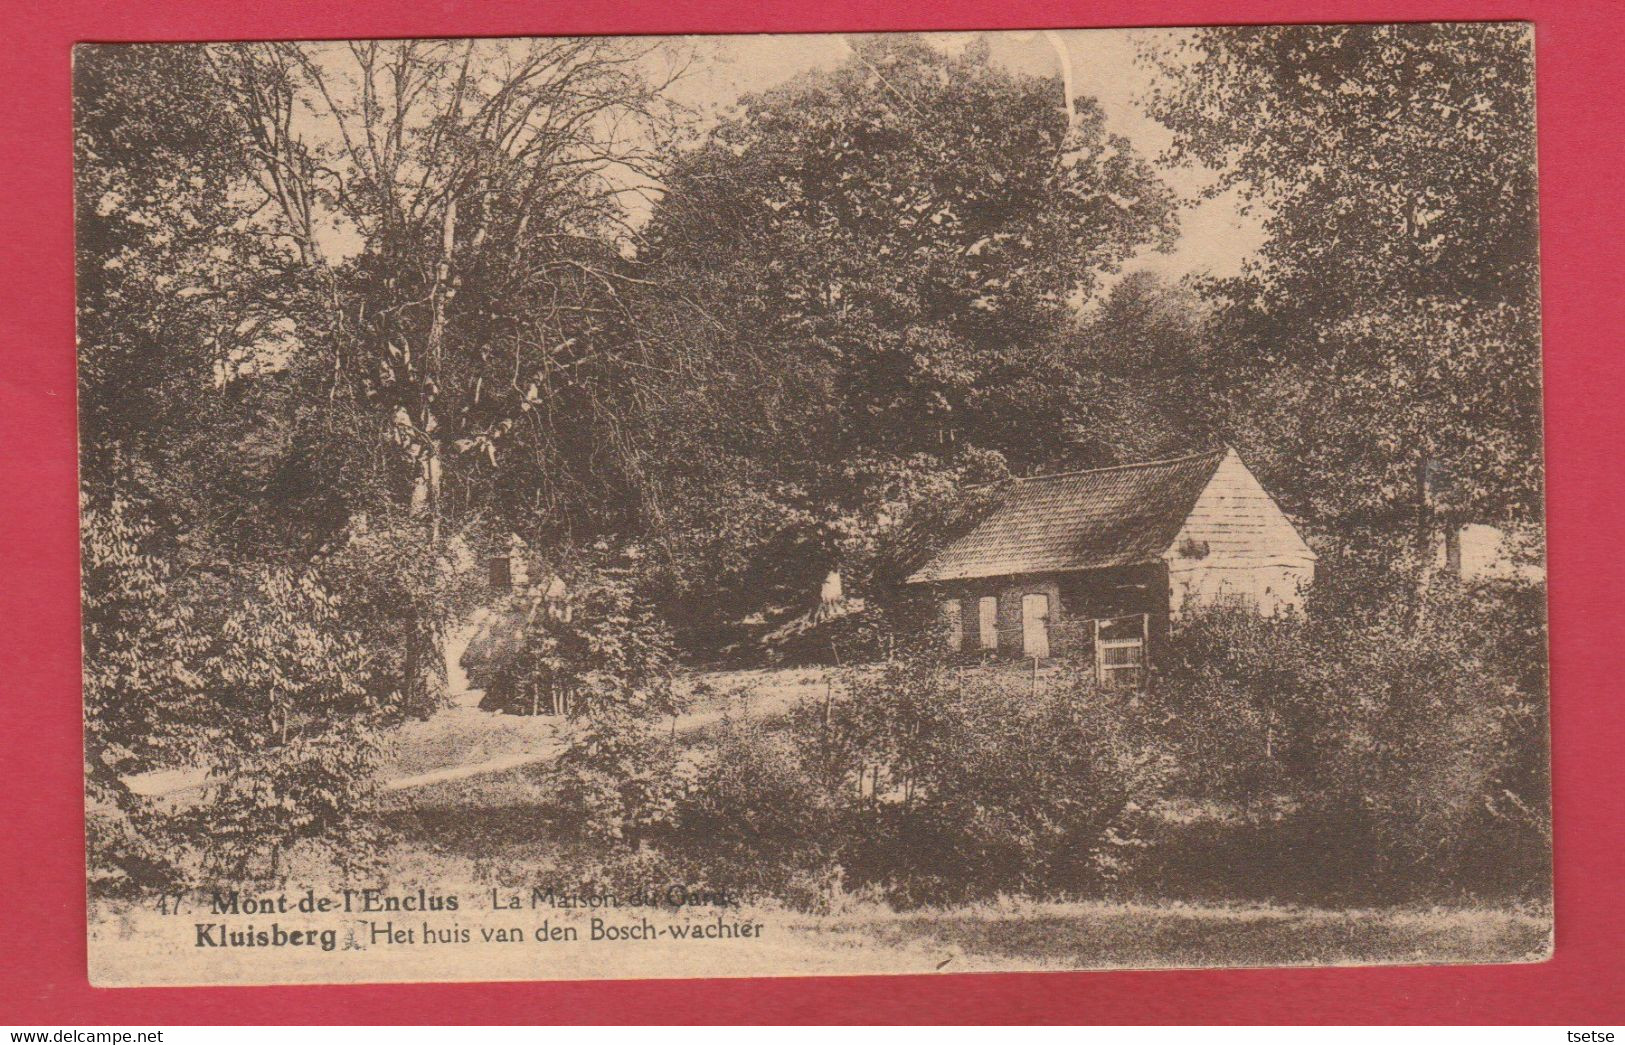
(1035, 625)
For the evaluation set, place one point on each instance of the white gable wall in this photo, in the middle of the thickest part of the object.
(1238, 544)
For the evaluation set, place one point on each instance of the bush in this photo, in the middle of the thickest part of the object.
(1409, 746)
(399, 593)
(606, 650)
(617, 780)
(292, 746)
(1235, 702)
(605, 658)
(928, 783)
(253, 679)
(1431, 746)
(138, 636)
(979, 786)
(760, 820)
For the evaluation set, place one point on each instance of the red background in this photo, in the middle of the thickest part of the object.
(1581, 81)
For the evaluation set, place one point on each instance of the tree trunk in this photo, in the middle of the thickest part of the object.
(1438, 545)
(422, 681)
(440, 296)
(424, 633)
(1426, 537)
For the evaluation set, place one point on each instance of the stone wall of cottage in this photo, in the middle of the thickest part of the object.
(1075, 601)
(1007, 623)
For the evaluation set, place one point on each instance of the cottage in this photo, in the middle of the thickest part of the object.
(1101, 562)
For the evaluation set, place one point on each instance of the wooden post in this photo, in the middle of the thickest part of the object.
(1035, 678)
(1100, 671)
(1145, 651)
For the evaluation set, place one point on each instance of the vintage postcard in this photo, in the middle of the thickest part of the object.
(571, 508)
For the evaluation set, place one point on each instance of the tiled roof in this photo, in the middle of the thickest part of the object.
(1079, 521)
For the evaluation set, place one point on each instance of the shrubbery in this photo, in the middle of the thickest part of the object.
(1367, 751)
(760, 817)
(137, 638)
(982, 784)
(291, 744)
(253, 678)
(617, 780)
(1356, 754)
(926, 783)
(600, 647)
(1407, 748)
(597, 652)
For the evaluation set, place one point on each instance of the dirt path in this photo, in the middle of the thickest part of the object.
(685, 724)
(773, 692)
(770, 699)
(494, 765)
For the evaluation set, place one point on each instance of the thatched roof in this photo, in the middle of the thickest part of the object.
(1078, 521)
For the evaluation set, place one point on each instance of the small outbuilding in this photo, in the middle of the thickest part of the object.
(1102, 562)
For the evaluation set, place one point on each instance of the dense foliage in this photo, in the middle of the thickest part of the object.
(351, 316)
(902, 240)
(262, 689)
(312, 414)
(139, 693)
(593, 650)
(926, 784)
(1409, 758)
(1343, 757)
(1381, 355)
(590, 645)
(290, 739)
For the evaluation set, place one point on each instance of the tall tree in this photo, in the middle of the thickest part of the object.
(170, 288)
(876, 262)
(339, 305)
(1146, 350)
(453, 212)
(1384, 353)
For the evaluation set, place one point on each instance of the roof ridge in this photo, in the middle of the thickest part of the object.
(1121, 467)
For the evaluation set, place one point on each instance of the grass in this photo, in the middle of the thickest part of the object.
(462, 734)
(1101, 935)
(1204, 897)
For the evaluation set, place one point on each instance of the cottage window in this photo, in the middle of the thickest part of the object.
(1035, 625)
(1120, 645)
(987, 619)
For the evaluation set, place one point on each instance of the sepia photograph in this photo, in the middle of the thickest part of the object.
(571, 508)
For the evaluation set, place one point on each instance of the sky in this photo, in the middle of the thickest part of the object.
(1216, 237)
